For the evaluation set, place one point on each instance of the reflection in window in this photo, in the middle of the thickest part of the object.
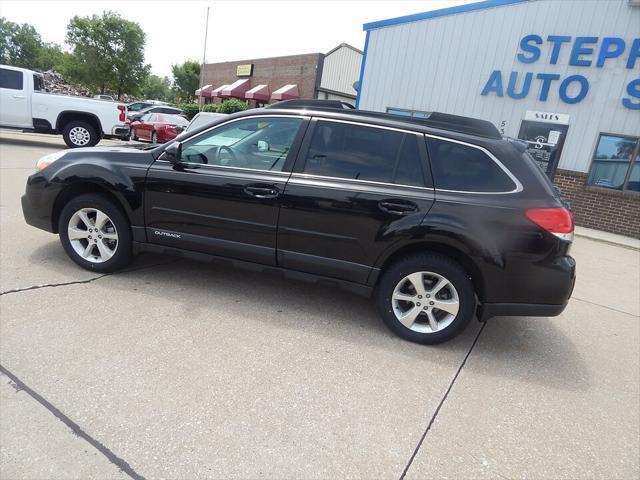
(408, 113)
(612, 163)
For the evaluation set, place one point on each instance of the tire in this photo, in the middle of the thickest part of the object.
(76, 228)
(397, 296)
(79, 134)
(154, 137)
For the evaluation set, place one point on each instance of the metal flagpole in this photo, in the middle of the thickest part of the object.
(204, 59)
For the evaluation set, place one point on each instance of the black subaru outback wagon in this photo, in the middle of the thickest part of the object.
(440, 219)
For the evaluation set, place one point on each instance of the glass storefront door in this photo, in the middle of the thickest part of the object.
(544, 143)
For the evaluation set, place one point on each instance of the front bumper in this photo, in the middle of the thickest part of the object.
(33, 215)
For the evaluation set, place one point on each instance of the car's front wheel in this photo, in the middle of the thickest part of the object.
(426, 298)
(95, 233)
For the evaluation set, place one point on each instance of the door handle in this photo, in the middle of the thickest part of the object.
(18, 96)
(261, 190)
(397, 207)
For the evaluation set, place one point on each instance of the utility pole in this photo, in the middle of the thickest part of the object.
(204, 59)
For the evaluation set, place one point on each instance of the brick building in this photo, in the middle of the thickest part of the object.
(263, 80)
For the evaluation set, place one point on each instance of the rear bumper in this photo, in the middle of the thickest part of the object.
(489, 310)
(119, 131)
(563, 281)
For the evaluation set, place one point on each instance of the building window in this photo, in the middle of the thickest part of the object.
(408, 113)
(616, 163)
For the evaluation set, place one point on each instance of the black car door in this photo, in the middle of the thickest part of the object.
(224, 195)
(356, 190)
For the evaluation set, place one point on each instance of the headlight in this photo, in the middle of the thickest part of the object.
(47, 160)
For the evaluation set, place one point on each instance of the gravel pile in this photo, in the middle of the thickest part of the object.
(56, 84)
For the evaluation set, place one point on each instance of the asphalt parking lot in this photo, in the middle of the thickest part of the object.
(174, 369)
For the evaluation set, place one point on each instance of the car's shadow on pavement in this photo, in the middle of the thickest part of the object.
(532, 350)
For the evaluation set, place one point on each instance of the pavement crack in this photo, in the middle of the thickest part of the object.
(603, 306)
(442, 400)
(75, 428)
(80, 282)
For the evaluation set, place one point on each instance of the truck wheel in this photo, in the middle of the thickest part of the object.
(426, 298)
(95, 233)
(79, 134)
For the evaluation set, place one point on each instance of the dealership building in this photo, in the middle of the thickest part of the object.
(564, 76)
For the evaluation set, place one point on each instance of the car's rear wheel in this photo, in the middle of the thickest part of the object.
(426, 298)
(95, 233)
(79, 134)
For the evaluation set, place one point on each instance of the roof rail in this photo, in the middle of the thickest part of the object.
(312, 103)
(442, 121)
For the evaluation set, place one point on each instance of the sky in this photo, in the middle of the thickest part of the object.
(238, 29)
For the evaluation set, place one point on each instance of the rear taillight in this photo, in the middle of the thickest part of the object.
(557, 221)
(123, 114)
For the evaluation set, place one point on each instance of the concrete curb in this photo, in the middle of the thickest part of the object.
(609, 238)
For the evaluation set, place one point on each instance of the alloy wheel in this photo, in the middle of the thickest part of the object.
(79, 136)
(92, 235)
(425, 302)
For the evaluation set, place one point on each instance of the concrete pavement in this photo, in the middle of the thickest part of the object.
(179, 373)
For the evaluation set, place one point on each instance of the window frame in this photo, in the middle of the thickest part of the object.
(287, 167)
(630, 163)
(301, 161)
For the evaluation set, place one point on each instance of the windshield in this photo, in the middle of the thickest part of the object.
(175, 120)
(136, 107)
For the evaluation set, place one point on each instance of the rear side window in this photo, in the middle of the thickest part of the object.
(38, 83)
(358, 152)
(465, 169)
(10, 79)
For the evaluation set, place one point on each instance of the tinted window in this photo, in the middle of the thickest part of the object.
(38, 83)
(257, 143)
(466, 169)
(359, 152)
(10, 79)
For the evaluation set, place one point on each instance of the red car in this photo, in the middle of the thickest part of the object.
(158, 127)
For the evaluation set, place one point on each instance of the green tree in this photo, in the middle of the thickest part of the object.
(186, 79)
(107, 54)
(22, 46)
(50, 57)
(156, 88)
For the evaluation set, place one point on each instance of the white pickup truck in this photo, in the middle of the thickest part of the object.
(25, 104)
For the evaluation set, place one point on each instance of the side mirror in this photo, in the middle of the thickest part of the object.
(172, 153)
(263, 146)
